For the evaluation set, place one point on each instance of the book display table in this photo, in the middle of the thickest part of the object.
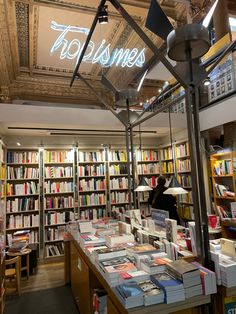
(84, 277)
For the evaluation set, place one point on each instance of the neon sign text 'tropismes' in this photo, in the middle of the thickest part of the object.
(95, 53)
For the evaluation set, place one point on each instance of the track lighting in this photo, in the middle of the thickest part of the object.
(103, 15)
(207, 81)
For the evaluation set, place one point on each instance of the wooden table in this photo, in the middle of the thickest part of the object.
(26, 253)
(84, 277)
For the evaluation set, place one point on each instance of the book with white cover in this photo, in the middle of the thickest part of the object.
(85, 226)
(114, 239)
(228, 247)
(171, 230)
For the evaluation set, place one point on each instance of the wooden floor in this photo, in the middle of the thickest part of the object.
(47, 276)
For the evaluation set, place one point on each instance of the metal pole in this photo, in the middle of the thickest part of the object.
(133, 167)
(127, 128)
(202, 195)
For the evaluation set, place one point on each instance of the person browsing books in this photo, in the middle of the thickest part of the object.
(159, 200)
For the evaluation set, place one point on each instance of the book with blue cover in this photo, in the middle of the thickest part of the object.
(167, 282)
(130, 294)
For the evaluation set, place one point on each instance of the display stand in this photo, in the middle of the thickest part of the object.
(84, 277)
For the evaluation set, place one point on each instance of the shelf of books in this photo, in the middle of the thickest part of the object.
(148, 166)
(118, 179)
(2, 221)
(22, 195)
(58, 195)
(223, 182)
(183, 167)
(92, 184)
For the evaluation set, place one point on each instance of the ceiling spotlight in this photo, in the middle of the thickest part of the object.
(159, 90)
(166, 83)
(207, 81)
(103, 15)
(18, 144)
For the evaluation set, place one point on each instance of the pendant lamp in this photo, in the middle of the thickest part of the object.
(174, 186)
(143, 185)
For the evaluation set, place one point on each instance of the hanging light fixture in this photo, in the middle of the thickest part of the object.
(103, 15)
(143, 185)
(174, 186)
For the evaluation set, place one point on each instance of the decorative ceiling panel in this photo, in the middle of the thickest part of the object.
(22, 22)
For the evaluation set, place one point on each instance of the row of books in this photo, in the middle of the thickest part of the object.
(147, 155)
(22, 221)
(58, 202)
(52, 218)
(2, 172)
(2, 153)
(22, 204)
(91, 170)
(186, 198)
(58, 172)
(92, 199)
(118, 169)
(222, 167)
(183, 165)
(119, 197)
(26, 188)
(58, 156)
(185, 180)
(22, 157)
(148, 168)
(92, 184)
(95, 156)
(118, 155)
(223, 190)
(167, 167)
(30, 237)
(119, 183)
(92, 213)
(54, 250)
(54, 234)
(166, 153)
(186, 212)
(58, 187)
(182, 150)
(22, 173)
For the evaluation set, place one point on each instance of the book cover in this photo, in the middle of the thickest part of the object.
(120, 268)
(141, 248)
(130, 289)
(171, 230)
(167, 282)
(182, 269)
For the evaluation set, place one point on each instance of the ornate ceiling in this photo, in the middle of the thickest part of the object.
(40, 42)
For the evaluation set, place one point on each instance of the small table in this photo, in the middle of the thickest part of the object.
(23, 253)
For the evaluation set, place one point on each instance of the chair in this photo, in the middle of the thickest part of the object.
(13, 273)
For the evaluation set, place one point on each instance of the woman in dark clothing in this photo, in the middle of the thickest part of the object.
(166, 202)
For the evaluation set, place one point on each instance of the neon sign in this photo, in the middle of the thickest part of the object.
(96, 53)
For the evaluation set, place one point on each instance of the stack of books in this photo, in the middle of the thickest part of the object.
(154, 266)
(117, 239)
(113, 267)
(189, 274)
(152, 293)
(228, 272)
(108, 253)
(208, 279)
(130, 294)
(173, 288)
(139, 275)
(89, 239)
(19, 241)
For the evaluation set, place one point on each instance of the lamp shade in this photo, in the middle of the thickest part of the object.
(175, 187)
(143, 186)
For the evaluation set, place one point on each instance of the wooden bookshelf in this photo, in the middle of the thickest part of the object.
(92, 184)
(59, 197)
(22, 193)
(223, 179)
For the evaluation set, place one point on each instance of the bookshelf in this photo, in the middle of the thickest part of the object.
(2, 221)
(22, 193)
(223, 181)
(118, 179)
(167, 165)
(148, 166)
(58, 198)
(183, 167)
(92, 186)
